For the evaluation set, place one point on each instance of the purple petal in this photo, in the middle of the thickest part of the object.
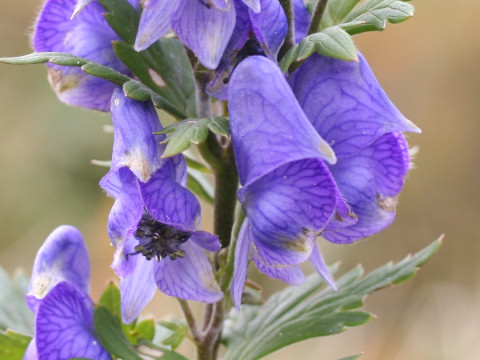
(79, 7)
(62, 257)
(128, 207)
(320, 266)
(255, 5)
(206, 240)
(64, 326)
(154, 22)
(218, 87)
(302, 19)
(31, 352)
(87, 35)
(134, 144)
(370, 182)
(206, 31)
(292, 275)
(188, 278)
(268, 126)
(345, 103)
(170, 203)
(219, 4)
(287, 208)
(137, 289)
(270, 26)
(242, 251)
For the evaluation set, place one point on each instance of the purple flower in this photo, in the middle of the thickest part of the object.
(87, 35)
(209, 27)
(58, 295)
(330, 163)
(154, 215)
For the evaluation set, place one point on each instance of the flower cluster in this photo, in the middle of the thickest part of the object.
(318, 152)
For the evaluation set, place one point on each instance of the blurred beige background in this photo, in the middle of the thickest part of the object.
(428, 66)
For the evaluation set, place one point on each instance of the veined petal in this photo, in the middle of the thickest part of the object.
(62, 257)
(345, 103)
(64, 326)
(128, 207)
(134, 144)
(321, 268)
(220, 4)
(170, 203)
(287, 208)
(268, 126)
(240, 269)
(154, 22)
(270, 26)
(370, 182)
(291, 274)
(206, 31)
(190, 277)
(205, 240)
(218, 87)
(255, 5)
(137, 289)
(87, 35)
(302, 19)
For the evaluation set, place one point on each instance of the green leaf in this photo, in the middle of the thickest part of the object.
(14, 312)
(13, 345)
(298, 313)
(353, 357)
(110, 334)
(179, 329)
(105, 72)
(122, 18)
(198, 187)
(192, 131)
(376, 13)
(334, 42)
(336, 11)
(145, 329)
(43, 57)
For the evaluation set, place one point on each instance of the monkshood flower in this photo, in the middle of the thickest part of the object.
(350, 110)
(207, 26)
(290, 193)
(58, 295)
(87, 35)
(154, 222)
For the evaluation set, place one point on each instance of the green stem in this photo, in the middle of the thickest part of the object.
(317, 16)
(290, 37)
(187, 312)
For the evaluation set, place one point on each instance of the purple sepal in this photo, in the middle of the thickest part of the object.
(134, 145)
(79, 7)
(87, 35)
(370, 182)
(270, 27)
(64, 326)
(154, 22)
(219, 4)
(255, 5)
(62, 257)
(206, 31)
(302, 19)
(188, 278)
(31, 352)
(287, 208)
(291, 274)
(218, 87)
(240, 269)
(319, 265)
(345, 103)
(137, 289)
(268, 126)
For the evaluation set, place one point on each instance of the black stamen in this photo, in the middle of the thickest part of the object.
(158, 240)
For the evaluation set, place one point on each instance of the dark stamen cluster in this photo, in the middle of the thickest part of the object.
(158, 240)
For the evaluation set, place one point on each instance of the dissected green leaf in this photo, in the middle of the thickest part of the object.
(376, 13)
(336, 11)
(43, 57)
(192, 131)
(179, 329)
(122, 18)
(145, 329)
(110, 334)
(14, 312)
(105, 72)
(334, 42)
(299, 313)
(13, 345)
